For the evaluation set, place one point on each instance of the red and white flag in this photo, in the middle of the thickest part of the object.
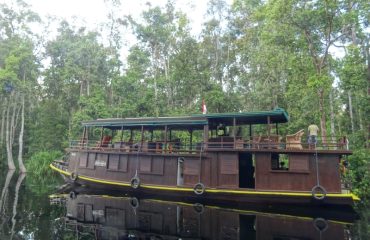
(204, 107)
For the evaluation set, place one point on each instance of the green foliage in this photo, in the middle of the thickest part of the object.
(360, 172)
(38, 164)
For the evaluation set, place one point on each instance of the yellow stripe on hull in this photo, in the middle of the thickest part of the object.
(211, 190)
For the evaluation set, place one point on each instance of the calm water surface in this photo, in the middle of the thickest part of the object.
(33, 209)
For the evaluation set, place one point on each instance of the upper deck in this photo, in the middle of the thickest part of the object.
(242, 131)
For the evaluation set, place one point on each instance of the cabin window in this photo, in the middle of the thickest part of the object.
(279, 161)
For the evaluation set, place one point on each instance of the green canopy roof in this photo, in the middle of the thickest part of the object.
(196, 121)
(278, 115)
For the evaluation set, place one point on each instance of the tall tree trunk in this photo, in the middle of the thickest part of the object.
(2, 131)
(368, 87)
(323, 116)
(22, 168)
(8, 142)
(332, 118)
(4, 192)
(156, 59)
(351, 111)
(15, 203)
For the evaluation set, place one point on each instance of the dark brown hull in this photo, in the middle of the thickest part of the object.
(220, 198)
(216, 196)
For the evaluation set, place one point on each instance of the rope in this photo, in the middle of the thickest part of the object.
(199, 187)
(318, 188)
(317, 167)
(135, 181)
(200, 162)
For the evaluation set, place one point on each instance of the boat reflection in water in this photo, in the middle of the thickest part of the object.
(109, 217)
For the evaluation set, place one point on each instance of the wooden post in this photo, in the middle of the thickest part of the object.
(205, 136)
(142, 136)
(84, 140)
(165, 138)
(277, 129)
(268, 131)
(250, 132)
(121, 135)
(151, 135)
(191, 140)
(234, 131)
(101, 136)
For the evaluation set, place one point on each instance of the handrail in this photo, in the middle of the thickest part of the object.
(255, 142)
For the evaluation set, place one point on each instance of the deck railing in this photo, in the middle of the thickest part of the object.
(254, 143)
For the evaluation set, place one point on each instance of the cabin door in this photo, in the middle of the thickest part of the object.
(246, 170)
(180, 171)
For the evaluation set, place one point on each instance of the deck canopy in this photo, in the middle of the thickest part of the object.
(193, 122)
(277, 115)
(180, 123)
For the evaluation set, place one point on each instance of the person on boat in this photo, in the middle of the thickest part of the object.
(313, 130)
(344, 143)
(221, 130)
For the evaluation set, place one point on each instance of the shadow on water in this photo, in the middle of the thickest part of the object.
(31, 208)
(112, 217)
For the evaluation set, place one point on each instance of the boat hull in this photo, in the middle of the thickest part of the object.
(234, 197)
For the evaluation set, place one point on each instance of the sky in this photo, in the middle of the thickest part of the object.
(93, 12)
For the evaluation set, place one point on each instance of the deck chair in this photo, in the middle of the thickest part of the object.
(256, 140)
(293, 141)
(105, 141)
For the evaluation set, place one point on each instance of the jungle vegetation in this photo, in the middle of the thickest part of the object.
(310, 57)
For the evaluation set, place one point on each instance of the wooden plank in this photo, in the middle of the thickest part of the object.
(101, 160)
(145, 164)
(228, 164)
(299, 162)
(191, 167)
(113, 162)
(91, 161)
(158, 165)
(83, 160)
(123, 163)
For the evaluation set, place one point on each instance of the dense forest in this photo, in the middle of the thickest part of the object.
(311, 58)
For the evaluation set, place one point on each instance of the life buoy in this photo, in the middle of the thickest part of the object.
(318, 192)
(135, 182)
(198, 208)
(74, 176)
(320, 224)
(199, 188)
(134, 202)
(73, 195)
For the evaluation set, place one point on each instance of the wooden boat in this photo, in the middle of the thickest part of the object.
(112, 217)
(224, 157)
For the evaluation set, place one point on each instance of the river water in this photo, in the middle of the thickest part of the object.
(34, 208)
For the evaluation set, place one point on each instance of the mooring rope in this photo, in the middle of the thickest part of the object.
(199, 187)
(318, 188)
